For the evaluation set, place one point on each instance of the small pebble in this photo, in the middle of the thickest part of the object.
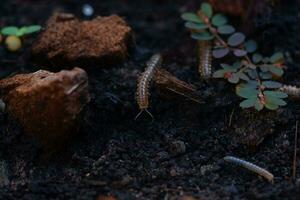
(2, 106)
(87, 10)
(13, 43)
(177, 147)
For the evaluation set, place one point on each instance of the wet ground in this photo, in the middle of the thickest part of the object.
(180, 152)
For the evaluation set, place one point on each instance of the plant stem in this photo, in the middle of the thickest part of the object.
(214, 32)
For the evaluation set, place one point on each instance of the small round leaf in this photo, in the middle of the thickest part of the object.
(191, 17)
(250, 46)
(236, 39)
(226, 29)
(239, 52)
(195, 26)
(207, 10)
(271, 84)
(10, 30)
(248, 103)
(205, 36)
(256, 58)
(219, 20)
(32, 29)
(277, 94)
(276, 70)
(220, 53)
(277, 57)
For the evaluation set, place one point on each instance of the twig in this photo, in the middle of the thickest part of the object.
(230, 118)
(295, 153)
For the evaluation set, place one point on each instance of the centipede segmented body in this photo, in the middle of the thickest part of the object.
(142, 94)
(205, 59)
(291, 90)
(251, 167)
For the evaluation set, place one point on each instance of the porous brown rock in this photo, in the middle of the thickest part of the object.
(46, 104)
(69, 42)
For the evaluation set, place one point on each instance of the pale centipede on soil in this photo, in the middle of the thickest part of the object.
(205, 59)
(291, 90)
(142, 94)
(251, 167)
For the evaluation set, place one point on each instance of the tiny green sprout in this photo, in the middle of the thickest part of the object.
(253, 74)
(13, 41)
(19, 32)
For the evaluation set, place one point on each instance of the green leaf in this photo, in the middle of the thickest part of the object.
(219, 73)
(220, 53)
(271, 106)
(258, 105)
(9, 30)
(191, 17)
(219, 20)
(264, 68)
(271, 84)
(205, 36)
(256, 58)
(228, 68)
(276, 70)
(239, 52)
(252, 73)
(32, 29)
(246, 92)
(250, 46)
(234, 78)
(195, 26)
(207, 10)
(277, 94)
(21, 31)
(226, 29)
(237, 65)
(236, 39)
(243, 76)
(265, 75)
(248, 103)
(275, 101)
(277, 57)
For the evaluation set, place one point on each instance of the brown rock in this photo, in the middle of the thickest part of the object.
(46, 104)
(69, 42)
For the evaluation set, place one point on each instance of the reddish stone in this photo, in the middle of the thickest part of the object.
(67, 41)
(46, 104)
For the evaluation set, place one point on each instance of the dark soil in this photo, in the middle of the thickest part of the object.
(180, 152)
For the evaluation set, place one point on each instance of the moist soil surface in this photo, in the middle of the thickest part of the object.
(177, 154)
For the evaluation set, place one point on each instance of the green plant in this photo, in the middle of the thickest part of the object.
(13, 33)
(254, 74)
(19, 32)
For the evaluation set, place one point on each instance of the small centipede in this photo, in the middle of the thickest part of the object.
(142, 94)
(166, 80)
(205, 59)
(291, 90)
(251, 167)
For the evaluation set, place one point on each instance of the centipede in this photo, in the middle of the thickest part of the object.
(166, 80)
(251, 167)
(291, 90)
(205, 59)
(142, 94)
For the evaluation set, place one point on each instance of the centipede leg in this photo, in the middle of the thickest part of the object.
(147, 111)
